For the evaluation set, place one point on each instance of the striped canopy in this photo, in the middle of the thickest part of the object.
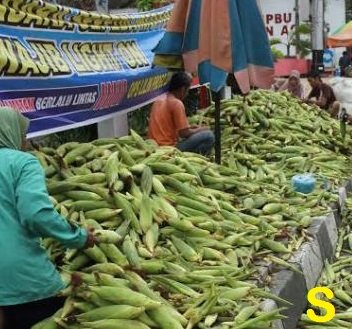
(217, 37)
(342, 37)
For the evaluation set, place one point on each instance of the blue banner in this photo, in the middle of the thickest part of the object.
(63, 67)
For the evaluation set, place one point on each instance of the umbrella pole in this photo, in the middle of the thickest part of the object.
(217, 98)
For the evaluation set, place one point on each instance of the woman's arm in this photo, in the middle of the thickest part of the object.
(36, 211)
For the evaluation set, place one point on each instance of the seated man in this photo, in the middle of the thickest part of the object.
(168, 121)
(324, 95)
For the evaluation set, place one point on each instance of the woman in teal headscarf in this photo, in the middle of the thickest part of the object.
(29, 282)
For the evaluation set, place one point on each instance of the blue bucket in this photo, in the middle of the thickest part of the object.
(304, 183)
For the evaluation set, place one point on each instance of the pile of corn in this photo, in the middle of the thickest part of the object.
(272, 136)
(337, 277)
(180, 238)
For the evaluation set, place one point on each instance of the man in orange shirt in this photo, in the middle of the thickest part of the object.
(168, 121)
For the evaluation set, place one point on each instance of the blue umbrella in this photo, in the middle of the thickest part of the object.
(214, 38)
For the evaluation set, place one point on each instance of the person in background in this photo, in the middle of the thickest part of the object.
(278, 82)
(294, 85)
(344, 62)
(324, 95)
(168, 121)
(29, 282)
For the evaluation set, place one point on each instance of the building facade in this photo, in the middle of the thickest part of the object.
(280, 17)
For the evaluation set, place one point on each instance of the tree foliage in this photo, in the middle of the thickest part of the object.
(299, 38)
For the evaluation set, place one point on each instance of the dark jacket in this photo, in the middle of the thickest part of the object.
(326, 91)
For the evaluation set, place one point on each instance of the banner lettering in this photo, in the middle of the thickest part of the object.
(61, 67)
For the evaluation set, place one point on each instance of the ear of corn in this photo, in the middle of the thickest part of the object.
(108, 268)
(114, 254)
(152, 237)
(131, 252)
(122, 295)
(127, 211)
(144, 318)
(111, 312)
(275, 246)
(94, 178)
(102, 214)
(89, 205)
(106, 236)
(185, 250)
(109, 280)
(164, 319)
(77, 151)
(83, 306)
(246, 313)
(96, 254)
(147, 180)
(115, 323)
(146, 213)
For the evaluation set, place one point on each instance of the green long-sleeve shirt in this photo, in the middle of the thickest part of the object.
(26, 214)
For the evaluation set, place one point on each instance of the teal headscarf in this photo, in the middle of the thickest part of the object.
(13, 127)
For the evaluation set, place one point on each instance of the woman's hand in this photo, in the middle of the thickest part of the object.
(90, 239)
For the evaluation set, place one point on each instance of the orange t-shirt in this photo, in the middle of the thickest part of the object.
(167, 118)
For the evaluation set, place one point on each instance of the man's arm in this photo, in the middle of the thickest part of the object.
(184, 130)
(311, 94)
(187, 132)
(314, 93)
(326, 93)
(321, 102)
